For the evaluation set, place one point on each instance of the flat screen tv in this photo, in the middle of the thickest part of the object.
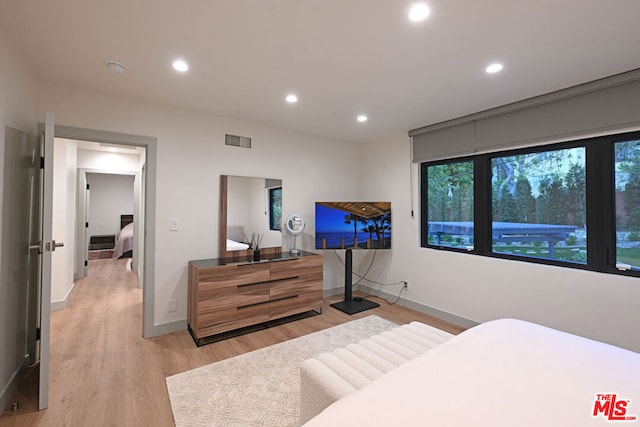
(353, 225)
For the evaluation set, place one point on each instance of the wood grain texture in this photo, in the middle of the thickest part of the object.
(232, 296)
(296, 267)
(104, 373)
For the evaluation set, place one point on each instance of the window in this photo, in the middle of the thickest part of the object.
(275, 208)
(627, 204)
(450, 205)
(539, 204)
(575, 204)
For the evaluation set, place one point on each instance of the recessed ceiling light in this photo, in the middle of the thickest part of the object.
(494, 68)
(419, 12)
(292, 98)
(362, 118)
(116, 67)
(180, 65)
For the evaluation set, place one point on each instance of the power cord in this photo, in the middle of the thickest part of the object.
(363, 277)
(385, 300)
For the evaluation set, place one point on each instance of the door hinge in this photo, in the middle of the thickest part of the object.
(38, 334)
(87, 186)
(41, 162)
(86, 225)
(86, 263)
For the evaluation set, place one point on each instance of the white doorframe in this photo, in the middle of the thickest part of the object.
(149, 207)
(81, 231)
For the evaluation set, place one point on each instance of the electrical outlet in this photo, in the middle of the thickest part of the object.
(406, 285)
(172, 306)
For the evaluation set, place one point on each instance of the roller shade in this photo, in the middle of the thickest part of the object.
(606, 105)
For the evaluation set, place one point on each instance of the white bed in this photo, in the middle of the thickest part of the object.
(236, 238)
(501, 373)
(232, 245)
(124, 242)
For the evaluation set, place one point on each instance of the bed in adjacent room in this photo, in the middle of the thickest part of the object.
(501, 373)
(124, 242)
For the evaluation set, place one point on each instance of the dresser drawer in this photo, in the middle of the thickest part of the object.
(295, 286)
(222, 298)
(230, 276)
(234, 318)
(296, 304)
(295, 267)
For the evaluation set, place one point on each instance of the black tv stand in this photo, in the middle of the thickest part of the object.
(351, 305)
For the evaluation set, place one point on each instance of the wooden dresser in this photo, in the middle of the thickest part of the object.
(229, 297)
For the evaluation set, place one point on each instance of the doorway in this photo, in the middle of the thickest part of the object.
(146, 212)
(109, 218)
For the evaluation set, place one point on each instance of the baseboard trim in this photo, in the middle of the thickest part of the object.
(61, 305)
(181, 325)
(431, 311)
(169, 327)
(12, 385)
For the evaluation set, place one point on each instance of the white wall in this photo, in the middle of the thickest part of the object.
(191, 156)
(239, 201)
(110, 196)
(18, 109)
(600, 306)
(64, 221)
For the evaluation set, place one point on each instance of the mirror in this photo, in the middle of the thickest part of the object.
(294, 226)
(250, 207)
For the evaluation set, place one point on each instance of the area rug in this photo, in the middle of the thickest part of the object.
(260, 388)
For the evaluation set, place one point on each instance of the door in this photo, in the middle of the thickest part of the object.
(82, 227)
(87, 238)
(47, 246)
(19, 267)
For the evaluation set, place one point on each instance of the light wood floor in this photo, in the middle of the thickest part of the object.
(103, 373)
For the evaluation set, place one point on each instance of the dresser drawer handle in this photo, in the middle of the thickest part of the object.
(244, 285)
(284, 298)
(283, 279)
(240, 307)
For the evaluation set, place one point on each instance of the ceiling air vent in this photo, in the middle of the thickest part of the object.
(237, 141)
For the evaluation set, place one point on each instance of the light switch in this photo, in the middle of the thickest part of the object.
(173, 224)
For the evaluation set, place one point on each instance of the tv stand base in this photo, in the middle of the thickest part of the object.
(354, 306)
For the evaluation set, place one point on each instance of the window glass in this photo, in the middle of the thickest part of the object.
(627, 204)
(450, 205)
(275, 208)
(539, 205)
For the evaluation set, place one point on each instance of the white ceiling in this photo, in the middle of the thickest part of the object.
(342, 57)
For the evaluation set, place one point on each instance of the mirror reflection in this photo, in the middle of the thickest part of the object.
(254, 212)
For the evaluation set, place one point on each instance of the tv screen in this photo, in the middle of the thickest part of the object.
(353, 225)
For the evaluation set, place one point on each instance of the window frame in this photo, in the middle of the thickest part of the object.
(272, 225)
(424, 230)
(600, 203)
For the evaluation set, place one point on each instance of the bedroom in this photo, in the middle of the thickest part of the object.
(593, 304)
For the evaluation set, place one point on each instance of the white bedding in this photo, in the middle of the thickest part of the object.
(232, 245)
(124, 242)
(501, 373)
